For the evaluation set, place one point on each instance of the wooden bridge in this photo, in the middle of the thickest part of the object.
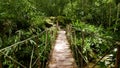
(61, 55)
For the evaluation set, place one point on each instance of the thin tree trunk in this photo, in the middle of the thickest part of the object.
(0, 63)
(117, 63)
(109, 15)
(117, 18)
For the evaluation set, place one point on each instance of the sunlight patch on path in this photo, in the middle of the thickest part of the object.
(62, 55)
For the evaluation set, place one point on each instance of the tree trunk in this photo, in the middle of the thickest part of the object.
(0, 63)
(117, 63)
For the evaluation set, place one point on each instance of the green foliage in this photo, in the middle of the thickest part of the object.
(102, 65)
(97, 20)
(96, 40)
(51, 7)
(38, 20)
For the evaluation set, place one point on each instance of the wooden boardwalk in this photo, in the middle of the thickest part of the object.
(62, 56)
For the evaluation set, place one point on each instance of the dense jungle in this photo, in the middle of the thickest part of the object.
(28, 30)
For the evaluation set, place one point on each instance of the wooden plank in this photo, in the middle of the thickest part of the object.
(62, 56)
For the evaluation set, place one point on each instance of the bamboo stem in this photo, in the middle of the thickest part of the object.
(30, 66)
(117, 17)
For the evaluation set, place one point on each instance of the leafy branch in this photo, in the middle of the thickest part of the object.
(14, 45)
(14, 60)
